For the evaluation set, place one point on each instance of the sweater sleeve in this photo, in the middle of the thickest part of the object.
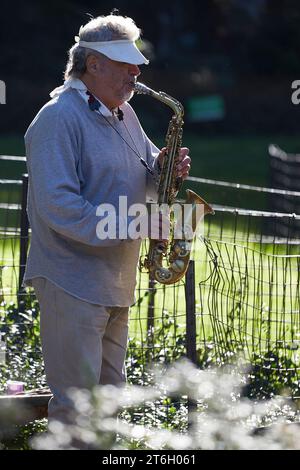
(53, 151)
(152, 180)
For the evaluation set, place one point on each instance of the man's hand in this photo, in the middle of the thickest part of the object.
(184, 162)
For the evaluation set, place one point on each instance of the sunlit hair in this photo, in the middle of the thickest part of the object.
(102, 28)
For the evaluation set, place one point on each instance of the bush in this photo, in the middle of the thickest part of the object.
(221, 419)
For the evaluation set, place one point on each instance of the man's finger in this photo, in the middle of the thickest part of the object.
(184, 151)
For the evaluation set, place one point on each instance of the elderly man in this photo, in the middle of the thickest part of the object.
(84, 148)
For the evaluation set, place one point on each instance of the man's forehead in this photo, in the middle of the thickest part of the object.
(106, 60)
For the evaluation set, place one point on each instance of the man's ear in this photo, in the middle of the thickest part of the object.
(91, 64)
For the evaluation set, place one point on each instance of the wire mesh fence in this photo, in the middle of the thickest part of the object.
(239, 300)
(243, 298)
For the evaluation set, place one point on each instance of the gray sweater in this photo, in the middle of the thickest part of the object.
(77, 161)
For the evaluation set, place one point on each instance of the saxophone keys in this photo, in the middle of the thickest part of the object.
(178, 266)
(163, 275)
(180, 248)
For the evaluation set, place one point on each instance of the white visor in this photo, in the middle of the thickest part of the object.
(122, 50)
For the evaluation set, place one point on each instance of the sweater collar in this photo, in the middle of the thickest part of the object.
(78, 85)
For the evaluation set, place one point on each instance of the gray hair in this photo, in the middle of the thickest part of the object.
(102, 28)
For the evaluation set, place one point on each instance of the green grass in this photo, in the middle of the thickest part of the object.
(251, 298)
(12, 145)
(238, 159)
(249, 305)
(9, 264)
(242, 159)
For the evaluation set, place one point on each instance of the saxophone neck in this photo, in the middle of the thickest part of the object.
(175, 105)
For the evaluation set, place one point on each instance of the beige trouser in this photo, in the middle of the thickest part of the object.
(83, 344)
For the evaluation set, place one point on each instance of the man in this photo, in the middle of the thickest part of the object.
(86, 148)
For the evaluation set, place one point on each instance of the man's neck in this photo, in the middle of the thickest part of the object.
(97, 92)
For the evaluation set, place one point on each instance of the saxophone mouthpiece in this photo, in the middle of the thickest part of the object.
(140, 88)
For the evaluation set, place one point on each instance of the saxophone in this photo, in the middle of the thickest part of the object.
(177, 252)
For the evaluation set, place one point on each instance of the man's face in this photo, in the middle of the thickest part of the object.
(116, 81)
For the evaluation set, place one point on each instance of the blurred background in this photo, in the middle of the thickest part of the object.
(230, 62)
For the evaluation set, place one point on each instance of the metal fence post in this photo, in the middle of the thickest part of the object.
(150, 318)
(24, 225)
(191, 351)
(190, 300)
(151, 304)
(284, 172)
